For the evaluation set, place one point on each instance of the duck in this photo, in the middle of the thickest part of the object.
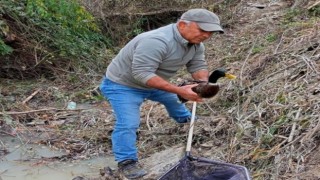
(208, 89)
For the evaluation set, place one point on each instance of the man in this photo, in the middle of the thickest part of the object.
(141, 71)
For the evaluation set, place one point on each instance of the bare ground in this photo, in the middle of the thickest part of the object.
(266, 120)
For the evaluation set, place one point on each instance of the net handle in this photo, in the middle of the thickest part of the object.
(193, 115)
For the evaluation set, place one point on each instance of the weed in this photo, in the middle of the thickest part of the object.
(4, 49)
(257, 49)
(291, 16)
(267, 138)
(315, 11)
(60, 32)
(281, 99)
(68, 27)
(271, 37)
(137, 28)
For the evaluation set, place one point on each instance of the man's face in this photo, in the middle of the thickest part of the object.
(192, 32)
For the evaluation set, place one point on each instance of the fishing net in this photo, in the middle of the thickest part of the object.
(191, 168)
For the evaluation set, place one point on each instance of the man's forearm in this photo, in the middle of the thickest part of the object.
(201, 75)
(159, 83)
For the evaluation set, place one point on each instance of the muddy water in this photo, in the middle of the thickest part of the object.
(24, 162)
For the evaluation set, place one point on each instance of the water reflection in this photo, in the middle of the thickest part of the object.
(23, 161)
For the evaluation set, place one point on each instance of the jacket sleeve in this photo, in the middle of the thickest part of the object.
(148, 54)
(198, 62)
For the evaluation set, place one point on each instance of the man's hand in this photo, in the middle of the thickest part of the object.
(189, 94)
(202, 88)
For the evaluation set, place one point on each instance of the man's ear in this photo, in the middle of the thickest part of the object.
(182, 25)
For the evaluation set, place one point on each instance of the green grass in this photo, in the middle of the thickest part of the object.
(58, 32)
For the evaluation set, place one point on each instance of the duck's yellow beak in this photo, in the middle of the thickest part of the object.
(230, 76)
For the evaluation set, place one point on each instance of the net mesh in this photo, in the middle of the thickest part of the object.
(204, 169)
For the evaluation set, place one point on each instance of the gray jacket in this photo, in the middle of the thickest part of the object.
(161, 52)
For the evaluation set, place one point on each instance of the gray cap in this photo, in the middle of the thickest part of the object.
(206, 20)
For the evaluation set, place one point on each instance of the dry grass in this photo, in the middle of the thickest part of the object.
(273, 107)
(267, 119)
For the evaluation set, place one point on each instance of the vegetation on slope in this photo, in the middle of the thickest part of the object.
(47, 38)
(267, 118)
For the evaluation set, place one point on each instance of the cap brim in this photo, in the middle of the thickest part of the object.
(210, 27)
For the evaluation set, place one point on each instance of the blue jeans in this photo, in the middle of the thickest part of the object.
(126, 102)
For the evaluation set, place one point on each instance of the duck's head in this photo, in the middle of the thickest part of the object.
(219, 73)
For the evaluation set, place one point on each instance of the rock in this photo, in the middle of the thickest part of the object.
(160, 162)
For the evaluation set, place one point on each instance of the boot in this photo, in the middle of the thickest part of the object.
(131, 169)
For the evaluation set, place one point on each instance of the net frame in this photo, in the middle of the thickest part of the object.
(199, 168)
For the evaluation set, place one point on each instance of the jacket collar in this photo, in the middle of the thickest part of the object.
(178, 36)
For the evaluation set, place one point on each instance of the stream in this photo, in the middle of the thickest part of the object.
(23, 161)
